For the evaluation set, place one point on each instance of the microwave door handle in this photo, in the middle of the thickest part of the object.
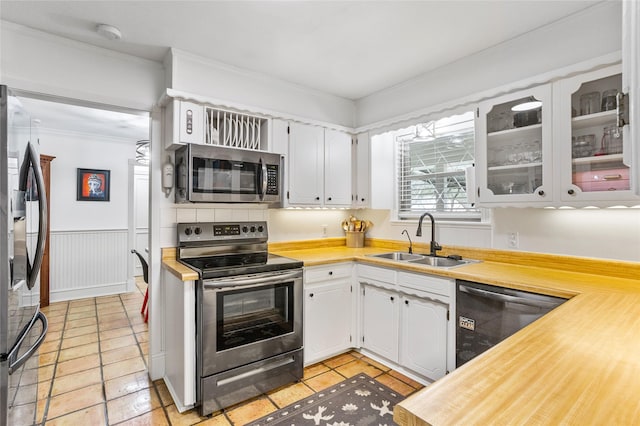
(263, 190)
(34, 269)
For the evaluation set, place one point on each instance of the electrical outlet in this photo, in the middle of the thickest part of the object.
(512, 240)
(324, 230)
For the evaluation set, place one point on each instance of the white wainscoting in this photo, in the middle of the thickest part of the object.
(87, 263)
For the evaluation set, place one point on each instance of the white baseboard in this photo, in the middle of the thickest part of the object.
(131, 284)
(61, 295)
(156, 366)
(400, 369)
(181, 408)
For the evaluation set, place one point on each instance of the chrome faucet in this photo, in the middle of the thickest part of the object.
(434, 246)
(404, 231)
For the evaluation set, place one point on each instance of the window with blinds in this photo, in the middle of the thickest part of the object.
(431, 173)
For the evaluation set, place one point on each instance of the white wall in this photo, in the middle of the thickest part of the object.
(193, 74)
(35, 61)
(305, 224)
(72, 151)
(612, 233)
(587, 35)
(88, 239)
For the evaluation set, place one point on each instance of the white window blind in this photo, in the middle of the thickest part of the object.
(432, 162)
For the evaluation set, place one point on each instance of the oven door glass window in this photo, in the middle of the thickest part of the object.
(246, 316)
(224, 176)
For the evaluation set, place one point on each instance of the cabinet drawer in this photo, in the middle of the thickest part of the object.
(377, 274)
(428, 283)
(329, 272)
(603, 180)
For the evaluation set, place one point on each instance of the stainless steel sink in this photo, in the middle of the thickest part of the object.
(402, 256)
(442, 262)
(438, 262)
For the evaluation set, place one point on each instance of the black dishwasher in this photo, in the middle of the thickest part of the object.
(488, 314)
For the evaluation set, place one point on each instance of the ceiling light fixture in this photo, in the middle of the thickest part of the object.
(527, 105)
(109, 32)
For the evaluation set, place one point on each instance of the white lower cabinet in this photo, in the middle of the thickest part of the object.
(328, 311)
(406, 319)
(424, 336)
(380, 309)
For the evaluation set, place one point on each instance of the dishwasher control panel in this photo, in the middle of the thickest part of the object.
(467, 323)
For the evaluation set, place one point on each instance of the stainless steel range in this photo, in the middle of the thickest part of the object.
(248, 312)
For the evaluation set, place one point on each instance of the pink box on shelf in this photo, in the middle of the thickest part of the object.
(602, 180)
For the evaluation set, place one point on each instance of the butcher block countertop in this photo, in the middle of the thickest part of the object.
(579, 364)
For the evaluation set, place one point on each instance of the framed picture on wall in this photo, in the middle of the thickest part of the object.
(93, 185)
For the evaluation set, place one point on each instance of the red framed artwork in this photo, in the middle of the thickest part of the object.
(93, 185)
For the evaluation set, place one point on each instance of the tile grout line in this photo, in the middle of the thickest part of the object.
(146, 363)
(45, 411)
(104, 388)
(145, 360)
(57, 361)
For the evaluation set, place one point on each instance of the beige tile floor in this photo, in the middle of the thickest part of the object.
(92, 370)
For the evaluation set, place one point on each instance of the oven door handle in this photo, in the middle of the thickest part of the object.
(263, 278)
(507, 298)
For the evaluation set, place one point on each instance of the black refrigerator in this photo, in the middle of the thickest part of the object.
(23, 229)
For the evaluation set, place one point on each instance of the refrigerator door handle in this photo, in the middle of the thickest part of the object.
(34, 269)
(14, 361)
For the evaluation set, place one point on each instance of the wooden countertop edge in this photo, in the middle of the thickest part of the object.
(503, 271)
(169, 262)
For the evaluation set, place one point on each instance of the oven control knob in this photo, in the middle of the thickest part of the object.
(253, 229)
(260, 228)
(188, 231)
(198, 231)
(245, 229)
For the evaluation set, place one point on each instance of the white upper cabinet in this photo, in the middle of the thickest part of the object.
(337, 168)
(575, 150)
(184, 123)
(361, 171)
(319, 167)
(513, 148)
(306, 165)
(593, 148)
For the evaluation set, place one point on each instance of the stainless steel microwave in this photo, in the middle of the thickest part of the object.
(219, 174)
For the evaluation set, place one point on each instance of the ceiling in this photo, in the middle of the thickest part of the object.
(119, 126)
(349, 49)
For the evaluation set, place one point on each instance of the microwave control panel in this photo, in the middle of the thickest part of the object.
(272, 179)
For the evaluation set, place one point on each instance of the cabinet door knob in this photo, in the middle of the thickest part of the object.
(362, 199)
(330, 272)
(406, 302)
(392, 298)
(541, 193)
(310, 294)
(329, 199)
(317, 198)
(571, 192)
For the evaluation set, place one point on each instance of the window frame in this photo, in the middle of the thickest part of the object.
(470, 217)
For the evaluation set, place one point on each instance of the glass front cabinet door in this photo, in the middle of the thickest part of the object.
(594, 155)
(514, 155)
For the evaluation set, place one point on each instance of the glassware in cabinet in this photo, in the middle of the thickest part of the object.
(514, 138)
(593, 144)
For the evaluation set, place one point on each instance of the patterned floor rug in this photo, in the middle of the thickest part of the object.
(357, 401)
